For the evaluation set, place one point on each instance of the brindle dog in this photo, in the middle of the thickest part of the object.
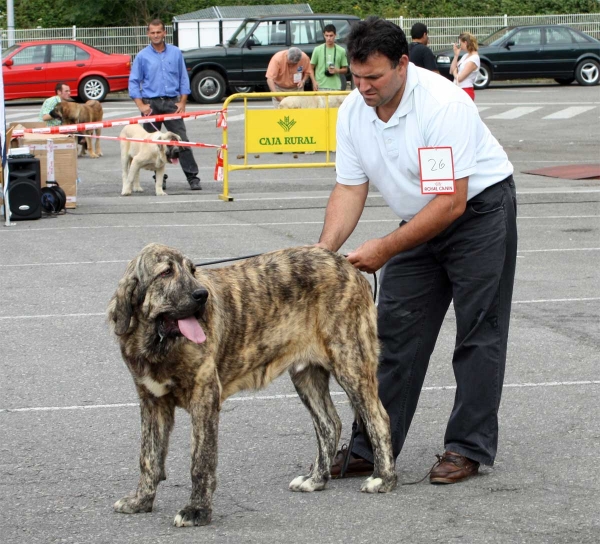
(72, 113)
(193, 337)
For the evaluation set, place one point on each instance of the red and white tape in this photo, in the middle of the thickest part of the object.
(65, 129)
(178, 143)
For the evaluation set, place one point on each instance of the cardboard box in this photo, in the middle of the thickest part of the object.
(65, 157)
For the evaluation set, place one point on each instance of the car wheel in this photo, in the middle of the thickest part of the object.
(484, 77)
(208, 87)
(588, 72)
(564, 80)
(92, 88)
(242, 88)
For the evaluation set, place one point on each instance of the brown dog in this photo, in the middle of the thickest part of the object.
(193, 337)
(72, 113)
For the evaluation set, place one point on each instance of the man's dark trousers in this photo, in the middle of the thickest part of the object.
(161, 105)
(472, 264)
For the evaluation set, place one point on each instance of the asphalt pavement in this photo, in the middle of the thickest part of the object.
(69, 421)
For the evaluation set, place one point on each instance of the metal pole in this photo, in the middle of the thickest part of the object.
(10, 21)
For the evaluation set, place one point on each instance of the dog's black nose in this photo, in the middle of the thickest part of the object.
(200, 295)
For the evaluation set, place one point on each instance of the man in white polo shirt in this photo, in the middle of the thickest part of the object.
(420, 140)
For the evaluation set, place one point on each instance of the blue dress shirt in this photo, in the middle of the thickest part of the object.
(158, 74)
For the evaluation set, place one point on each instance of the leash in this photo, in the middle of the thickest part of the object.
(232, 259)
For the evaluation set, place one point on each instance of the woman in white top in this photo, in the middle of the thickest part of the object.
(466, 69)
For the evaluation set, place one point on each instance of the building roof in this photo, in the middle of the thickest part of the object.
(241, 12)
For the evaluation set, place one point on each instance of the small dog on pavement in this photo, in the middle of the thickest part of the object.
(136, 156)
(192, 337)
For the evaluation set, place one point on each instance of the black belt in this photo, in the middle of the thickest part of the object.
(163, 98)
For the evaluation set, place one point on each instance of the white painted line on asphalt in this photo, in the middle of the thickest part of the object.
(124, 261)
(567, 113)
(483, 108)
(103, 314)
(557, 250)
(515, 113)
(537, 103)
(243, 225)
(292, 396)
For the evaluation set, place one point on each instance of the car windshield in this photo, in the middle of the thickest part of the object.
(496, 37)
(8, 51)
(241, 32)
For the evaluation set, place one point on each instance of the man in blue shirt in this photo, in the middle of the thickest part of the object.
(159, 84)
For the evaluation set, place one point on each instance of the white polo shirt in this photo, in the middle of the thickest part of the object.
(433, 112)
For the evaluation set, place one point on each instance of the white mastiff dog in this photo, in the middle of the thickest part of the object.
(147, 155)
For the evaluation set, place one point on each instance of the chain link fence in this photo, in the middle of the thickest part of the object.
(442, 31)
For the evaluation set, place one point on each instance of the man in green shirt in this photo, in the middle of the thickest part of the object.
(329, 62)
(63, 92)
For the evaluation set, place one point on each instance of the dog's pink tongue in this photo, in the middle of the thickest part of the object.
(191, 329)
(174, 161)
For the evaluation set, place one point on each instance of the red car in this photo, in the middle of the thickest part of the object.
(32, 69)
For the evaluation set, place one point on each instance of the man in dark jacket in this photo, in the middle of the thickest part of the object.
(418, 51)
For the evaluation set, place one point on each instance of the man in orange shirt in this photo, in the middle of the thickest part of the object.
(288, 71)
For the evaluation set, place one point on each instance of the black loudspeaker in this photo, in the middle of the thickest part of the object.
(24, 188)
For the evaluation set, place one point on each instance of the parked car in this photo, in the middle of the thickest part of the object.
(32, 69)
(242, 63)
(542, 51)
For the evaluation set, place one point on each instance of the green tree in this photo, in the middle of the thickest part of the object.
(98, 13)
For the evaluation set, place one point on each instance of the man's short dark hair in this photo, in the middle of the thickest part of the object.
(375, 35)
(418, 30)
(156, 22)
(59, 87)
(329, 28)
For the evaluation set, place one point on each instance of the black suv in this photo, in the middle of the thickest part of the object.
(242, 63)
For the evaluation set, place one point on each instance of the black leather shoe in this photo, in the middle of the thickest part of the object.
(452, 468)
(195, 184)
(357, 466)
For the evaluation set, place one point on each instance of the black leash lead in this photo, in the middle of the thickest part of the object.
(232, 259)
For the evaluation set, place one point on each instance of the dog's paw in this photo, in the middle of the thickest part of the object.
(133, 505)
(138, 189)
(190, 516)
(160, 192)
(93, 156)
(306, 484)
(125, 193)
(379, 485)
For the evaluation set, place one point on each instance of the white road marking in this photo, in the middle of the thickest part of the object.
(243, 225)
(124, 261)
(103, 314)
(567, 113)
(483, 108)
(252, 398)
(515, 113)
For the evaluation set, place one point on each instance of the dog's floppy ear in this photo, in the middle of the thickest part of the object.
(172, 136)
(120, 308)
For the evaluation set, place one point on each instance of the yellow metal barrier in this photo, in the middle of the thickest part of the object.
(313, 130)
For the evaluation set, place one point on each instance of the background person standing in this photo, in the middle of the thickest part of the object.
(63, 92)
(329, 62)
(466, 68)
(159, 84)
(418, 52)
(288, 71)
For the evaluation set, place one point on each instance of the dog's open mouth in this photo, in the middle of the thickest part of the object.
(174, 160)
(188, 327)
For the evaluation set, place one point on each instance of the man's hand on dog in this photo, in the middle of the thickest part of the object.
(370, 256)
